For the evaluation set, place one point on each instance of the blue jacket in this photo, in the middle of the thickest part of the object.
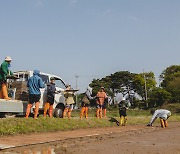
(35, 83)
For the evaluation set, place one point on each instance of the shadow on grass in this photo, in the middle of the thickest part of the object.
(114, 120)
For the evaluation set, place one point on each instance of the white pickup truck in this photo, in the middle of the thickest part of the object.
(19, 94)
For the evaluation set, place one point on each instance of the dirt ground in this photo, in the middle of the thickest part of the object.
(114, 140)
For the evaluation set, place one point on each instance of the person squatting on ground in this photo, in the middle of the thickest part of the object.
(4, 73)
(162, 114)
(69, 100)
(34, 84)
(85, 102)
(51, 91)
(123, 106)
(101, 96)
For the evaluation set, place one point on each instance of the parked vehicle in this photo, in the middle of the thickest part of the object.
(19, 93)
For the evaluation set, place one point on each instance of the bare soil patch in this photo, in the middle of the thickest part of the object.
(127, 139)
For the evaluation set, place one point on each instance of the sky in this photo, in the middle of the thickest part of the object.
(90, 38)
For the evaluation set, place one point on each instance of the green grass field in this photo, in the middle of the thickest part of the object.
(14, 126)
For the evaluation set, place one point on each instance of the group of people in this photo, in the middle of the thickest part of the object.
(35, 83)
(101, 102)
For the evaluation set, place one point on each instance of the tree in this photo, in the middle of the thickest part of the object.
(170, 78)
(158, 96)
(140, 80)
(125, 83)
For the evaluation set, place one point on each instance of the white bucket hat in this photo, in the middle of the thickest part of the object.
(8, 58)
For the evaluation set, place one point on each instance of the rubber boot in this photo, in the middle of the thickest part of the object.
(86, 112)
(121, 120)
(51, 111)
(82, 112)
(46, 107)
(100, 113)
(162, 123)
(36, 110)
(5, 92)
(64, 113)
(165, 123)
(104, 111)
(125, 121)
(69, 113)
(97, 113)
(28, 110)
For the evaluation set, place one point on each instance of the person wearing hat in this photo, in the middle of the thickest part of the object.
(101, 96)
(85, 102)
(34, 84)
(51, 91)
(4, 73)
(68, 94)
(123, 106)
(162, 114)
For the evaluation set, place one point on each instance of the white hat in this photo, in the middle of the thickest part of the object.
(8, 58)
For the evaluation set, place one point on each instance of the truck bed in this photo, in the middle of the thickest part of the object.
(13, 106)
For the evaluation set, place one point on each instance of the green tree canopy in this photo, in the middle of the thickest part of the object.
(125, 83)
(170, 78)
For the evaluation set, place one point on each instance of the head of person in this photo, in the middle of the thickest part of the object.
(36, 72)
(68, 86)
(102, 89)
(8, 59)
(152, 111)
(52, 79)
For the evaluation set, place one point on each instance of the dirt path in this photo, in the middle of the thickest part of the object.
(128, 139)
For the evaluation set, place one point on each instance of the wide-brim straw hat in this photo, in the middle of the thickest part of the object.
(8, 58)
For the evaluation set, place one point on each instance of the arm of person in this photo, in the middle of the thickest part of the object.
(89, 95)
(154, 117)
(4, 68)
(41, 84)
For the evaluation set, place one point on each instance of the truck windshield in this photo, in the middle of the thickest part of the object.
(45, 78)
(60, 84)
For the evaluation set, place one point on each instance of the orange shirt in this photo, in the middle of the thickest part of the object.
(101, 97)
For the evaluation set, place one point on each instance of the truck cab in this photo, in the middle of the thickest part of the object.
(19, 91)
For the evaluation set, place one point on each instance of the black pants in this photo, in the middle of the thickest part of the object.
(34, 98)
(122, 112)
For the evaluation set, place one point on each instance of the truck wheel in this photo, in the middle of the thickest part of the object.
(58, 112)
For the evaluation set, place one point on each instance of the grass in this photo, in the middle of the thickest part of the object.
(14, 126)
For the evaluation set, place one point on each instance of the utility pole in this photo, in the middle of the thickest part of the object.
(76, 76)
(145, 88)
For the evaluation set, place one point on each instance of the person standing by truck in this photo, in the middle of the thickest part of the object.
(4, 73)
(101, 96)
(69, 100)
(51, 90)
(34, 84)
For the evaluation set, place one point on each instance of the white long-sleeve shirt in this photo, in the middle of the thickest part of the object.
(161, 113)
